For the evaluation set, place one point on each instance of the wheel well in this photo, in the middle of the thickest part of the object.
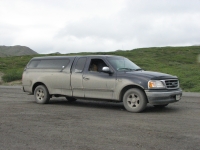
(37, 84)
(127, 88)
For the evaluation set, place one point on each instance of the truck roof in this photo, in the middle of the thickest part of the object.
(56, 57)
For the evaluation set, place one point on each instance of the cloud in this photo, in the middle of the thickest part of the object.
(106, 25)
(152, 27)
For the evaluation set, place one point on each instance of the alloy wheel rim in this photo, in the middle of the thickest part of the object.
(40, 94)
(133, 101)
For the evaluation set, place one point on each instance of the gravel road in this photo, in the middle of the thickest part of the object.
(94, 125)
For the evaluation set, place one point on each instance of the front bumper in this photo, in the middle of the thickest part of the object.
(163, 97)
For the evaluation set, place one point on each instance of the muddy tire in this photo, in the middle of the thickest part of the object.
(134, 100)
(41, 94)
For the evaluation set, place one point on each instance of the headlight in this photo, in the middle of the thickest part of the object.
(156, 84)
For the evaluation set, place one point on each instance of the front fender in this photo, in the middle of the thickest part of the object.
(124, 84)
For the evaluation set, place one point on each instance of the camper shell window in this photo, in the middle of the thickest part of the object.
(49, 63)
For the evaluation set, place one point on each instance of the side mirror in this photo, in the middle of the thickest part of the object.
(106, 70)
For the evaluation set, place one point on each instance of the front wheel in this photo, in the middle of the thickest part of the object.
(41, 94)
(134, 100)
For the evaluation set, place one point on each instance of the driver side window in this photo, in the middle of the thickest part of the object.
(96, 65)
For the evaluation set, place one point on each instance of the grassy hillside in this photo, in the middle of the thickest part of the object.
(15, 51)
(180, 61)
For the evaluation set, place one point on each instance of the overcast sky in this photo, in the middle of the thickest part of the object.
(67, 26)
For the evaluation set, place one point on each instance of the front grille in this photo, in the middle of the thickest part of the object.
(172, 84)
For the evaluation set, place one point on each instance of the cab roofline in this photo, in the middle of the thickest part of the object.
(55, 57)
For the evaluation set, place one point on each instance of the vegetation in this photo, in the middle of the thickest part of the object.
(12, 75)
(183, 62)
(17, 50)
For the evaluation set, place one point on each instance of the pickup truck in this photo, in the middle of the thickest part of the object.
(99, 77)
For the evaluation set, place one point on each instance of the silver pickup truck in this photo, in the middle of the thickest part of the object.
(100, 77)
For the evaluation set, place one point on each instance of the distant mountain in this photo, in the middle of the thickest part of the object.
(56, 53)
(17, 50)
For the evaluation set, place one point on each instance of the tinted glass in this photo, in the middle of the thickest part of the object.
(53, 63)
(80, 65)
(96, 65)
(33, 64)
(121, 64)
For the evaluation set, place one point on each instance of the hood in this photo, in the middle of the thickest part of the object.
(151, 75)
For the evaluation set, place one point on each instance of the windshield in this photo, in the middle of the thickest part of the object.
(123, 64)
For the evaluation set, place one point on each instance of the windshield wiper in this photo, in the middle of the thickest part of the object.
(129, 69)
(125, 69)
(138, 69)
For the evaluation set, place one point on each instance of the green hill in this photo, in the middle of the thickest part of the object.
(183, 62)
(17, 50)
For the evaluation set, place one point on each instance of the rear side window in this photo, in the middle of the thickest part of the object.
(49, 63)
(80, 65)
(33, 64)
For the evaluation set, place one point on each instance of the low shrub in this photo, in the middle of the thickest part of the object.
(12, 75)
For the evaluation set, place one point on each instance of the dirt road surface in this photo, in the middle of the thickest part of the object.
(94, 125)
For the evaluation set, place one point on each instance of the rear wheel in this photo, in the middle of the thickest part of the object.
(41, 94)
(134, 100)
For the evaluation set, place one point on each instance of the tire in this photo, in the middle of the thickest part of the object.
(41, 94)
(160, 106)
(71, 99)
(134, 100)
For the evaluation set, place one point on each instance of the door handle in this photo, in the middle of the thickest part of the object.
(86, 78)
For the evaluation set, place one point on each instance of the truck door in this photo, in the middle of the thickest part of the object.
(77, 77)
(96, 83)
